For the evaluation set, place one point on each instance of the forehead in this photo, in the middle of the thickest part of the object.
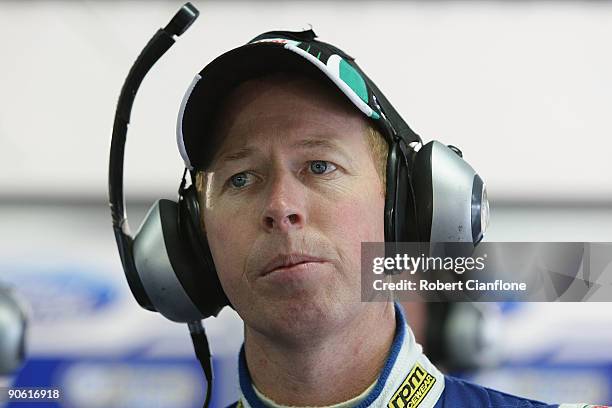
(283, 108)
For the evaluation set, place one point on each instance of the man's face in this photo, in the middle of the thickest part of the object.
(290, 196)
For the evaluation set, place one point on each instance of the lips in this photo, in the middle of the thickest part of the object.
(288, 260)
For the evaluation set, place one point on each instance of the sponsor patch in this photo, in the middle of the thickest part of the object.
(413, 390)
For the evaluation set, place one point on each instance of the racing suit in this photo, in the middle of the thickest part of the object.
(410, 380)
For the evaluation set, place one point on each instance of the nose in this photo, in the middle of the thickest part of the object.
(284, 208)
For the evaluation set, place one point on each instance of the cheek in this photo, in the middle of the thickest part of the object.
(357, 219)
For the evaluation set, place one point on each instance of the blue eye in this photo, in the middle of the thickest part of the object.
(239, 180)
(320, 166)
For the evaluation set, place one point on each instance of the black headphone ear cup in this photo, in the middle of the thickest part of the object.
(400, 206)
(189, 220)
(390, 194)
(422, 182)
(208, 294)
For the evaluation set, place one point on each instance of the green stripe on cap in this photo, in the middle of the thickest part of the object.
(352, 78)
(332, 69)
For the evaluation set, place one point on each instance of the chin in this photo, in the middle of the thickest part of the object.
(300, 318)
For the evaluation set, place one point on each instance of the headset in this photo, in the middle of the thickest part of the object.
(432, 194)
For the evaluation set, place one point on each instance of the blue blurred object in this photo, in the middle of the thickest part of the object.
(553, 352)
(115, 382)
(92, 344)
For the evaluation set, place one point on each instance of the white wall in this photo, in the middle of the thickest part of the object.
(522, 87)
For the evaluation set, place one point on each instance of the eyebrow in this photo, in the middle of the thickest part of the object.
(316, 143)
(325, 144)
(311, 143)
(240, 154)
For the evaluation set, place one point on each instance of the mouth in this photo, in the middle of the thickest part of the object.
(289, 262)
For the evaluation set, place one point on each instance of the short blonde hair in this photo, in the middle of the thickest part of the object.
(379, 150)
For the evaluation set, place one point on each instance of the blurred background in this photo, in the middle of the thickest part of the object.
(523, 88)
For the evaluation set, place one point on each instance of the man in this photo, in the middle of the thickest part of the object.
(292, 180)
(290, 165)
